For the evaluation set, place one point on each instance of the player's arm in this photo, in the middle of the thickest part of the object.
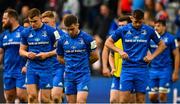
(176, 64)
(111, 62)
(94, 56)
(105, 70)
(45, 55)
(110, 44)
(60, 59)
(161, 47)
(23, 52)
(1, 55)
(93, 52)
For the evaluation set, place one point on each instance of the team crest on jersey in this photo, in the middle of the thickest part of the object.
(10, 40)
(144, 32)
(37, 39)
(73, 47)
(5, 37)
(44, 34)
(81, 41)
(136, 37)
(66, 42)
(18, 35)
(165, 39)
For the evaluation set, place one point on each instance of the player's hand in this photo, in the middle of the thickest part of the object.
(175, 77)
(24, 70)
(106, 72)
(31, 55)
(148, 58)
(112, 71)
(42, 55)
(124, 55)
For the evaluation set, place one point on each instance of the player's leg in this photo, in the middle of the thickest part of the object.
(57, 90)
(114, 93)
(10, 95)
(141, 77)
(9, 89)
(153, 90)
(31, 86)
(164, 84)
(82, 87)
(57, 93)
(70, 87)
(32, 91)
(82, 96)
(45, 85)
(45, 95)
(126, 85)
(21, 88)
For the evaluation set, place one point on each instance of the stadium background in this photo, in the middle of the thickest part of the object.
(87, 11)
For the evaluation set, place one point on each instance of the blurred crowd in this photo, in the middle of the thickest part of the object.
(99, 17)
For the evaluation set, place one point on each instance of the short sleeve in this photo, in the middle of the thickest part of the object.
(91, 43)
(60, 50)
(1, 40)
(155, 36)
(24, 35)
(117, 34)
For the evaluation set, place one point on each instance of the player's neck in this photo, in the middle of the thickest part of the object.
(14, 26)
(162, 33)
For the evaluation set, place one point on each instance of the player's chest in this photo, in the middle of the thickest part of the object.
(11, 39)
(135, 37)
(74, 44)
(40, 36)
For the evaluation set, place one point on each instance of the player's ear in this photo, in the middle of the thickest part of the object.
(131, 17)
(77, 24)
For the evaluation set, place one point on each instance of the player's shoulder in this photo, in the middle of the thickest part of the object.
(170, 36)
(147, 27)
(86, 36)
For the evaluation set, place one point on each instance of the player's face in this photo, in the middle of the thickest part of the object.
(49, 21)
(122, 23)
(6, 24)
(159, 28)
(35, 22)
(26, 25)
(136, 23)
(73, 30)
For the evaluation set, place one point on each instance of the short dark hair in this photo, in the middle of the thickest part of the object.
(124, 18)
(34, 12)
(163, 22)
(12, 13)
(26, 20)
(138, 14)
(70, 19)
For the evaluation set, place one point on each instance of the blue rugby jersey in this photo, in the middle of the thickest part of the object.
(135, 43)
(40, 40)
(76, 51)
(10, 43)
(56, 64)
(165, 58)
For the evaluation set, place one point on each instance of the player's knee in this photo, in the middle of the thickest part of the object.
(163, 97)
(114, 100)
(57, 100)
(153, 98)
(32, 98)
(22, 98)
(81, 100)
(10, 98)
(45, 99)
